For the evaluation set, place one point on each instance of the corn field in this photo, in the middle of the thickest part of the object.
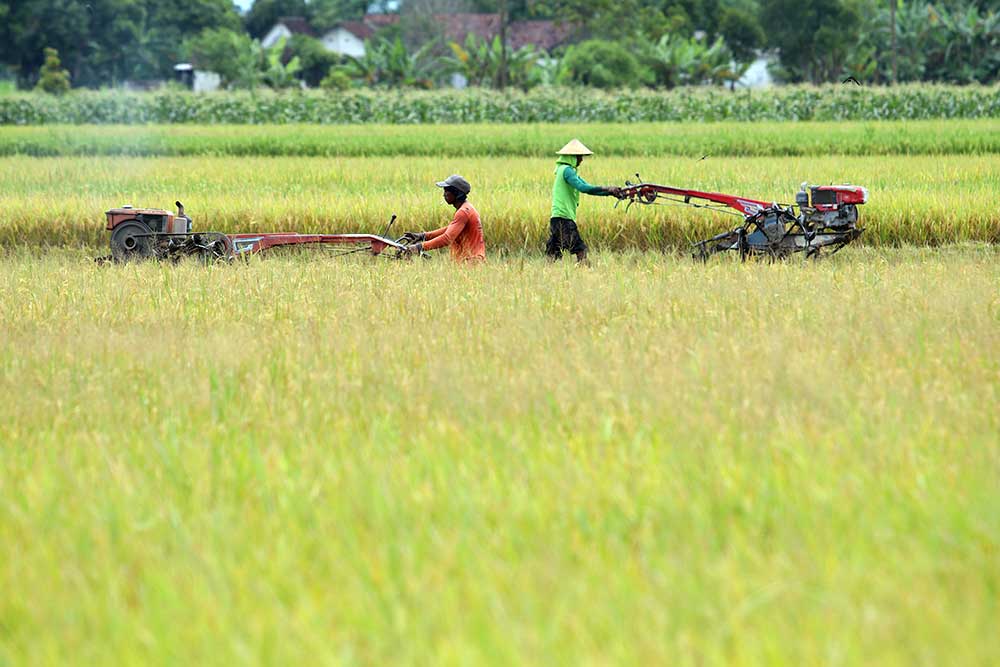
(549, 105)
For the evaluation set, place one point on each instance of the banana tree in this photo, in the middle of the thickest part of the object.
(388, 63)
(481, 62)
(677, 61)
(280, 75)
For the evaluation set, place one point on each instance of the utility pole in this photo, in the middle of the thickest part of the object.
(895, 58)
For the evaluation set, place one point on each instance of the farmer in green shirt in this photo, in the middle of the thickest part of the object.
(566, 190)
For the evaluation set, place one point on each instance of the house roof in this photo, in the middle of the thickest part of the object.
(458, 26)
(543, 34)
(380, 20)
(297, 25)
(357, 28)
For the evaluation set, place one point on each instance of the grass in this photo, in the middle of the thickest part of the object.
(364, 462)
(60, 201)
(929, 137)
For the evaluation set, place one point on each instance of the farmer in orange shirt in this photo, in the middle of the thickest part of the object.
(464, 233)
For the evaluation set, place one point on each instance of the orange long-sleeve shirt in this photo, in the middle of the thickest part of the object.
(464, 234)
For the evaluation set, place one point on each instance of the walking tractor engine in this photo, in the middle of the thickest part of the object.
(144, 233)
(833, 206)
(826, 219)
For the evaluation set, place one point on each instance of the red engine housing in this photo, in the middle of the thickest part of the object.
(156, 219)
(828, 195)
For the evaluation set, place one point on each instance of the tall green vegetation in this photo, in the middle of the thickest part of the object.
(480, 62)
(232, 55)
(603, 64)
(388, 64)
(935, 41)
(814, 37)
(707, 41)
(106, 41)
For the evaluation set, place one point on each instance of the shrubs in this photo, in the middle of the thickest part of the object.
(336, 79)
(478, 106)
(603, 64)
(52, 77)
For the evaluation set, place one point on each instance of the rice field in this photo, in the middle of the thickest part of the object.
(307, 460)
(651, 461)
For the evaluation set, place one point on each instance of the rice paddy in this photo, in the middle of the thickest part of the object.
(926, 200)
(301, 459)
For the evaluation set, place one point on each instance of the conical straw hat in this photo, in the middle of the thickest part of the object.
(574, 147)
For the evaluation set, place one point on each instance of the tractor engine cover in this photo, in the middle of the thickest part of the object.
(156, 219)
(824, 197)
(834, 206)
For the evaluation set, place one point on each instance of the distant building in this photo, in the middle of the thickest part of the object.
(757, 75)
(348, 38)
(198, 80)
(285, 28)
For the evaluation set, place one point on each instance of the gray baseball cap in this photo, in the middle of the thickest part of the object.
(457, 182)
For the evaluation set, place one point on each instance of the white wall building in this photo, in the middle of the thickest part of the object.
(757, 75)
(198, 80)
(347, 38)
(285, 28)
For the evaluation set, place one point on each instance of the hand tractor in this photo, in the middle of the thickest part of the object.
(826, 219)
(152, 233)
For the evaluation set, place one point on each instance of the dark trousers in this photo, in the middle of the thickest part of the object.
(563, 235)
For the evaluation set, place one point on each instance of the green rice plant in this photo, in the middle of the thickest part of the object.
(647, 462)
(926, 200)
(539, 140)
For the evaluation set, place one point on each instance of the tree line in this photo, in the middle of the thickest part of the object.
(614, 43)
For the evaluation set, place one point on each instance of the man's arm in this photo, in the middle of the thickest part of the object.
(447, 235)
(435, 233)
(571, 177)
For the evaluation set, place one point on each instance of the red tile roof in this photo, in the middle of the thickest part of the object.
(380, 20)
(297, 25)
(543, 34)
(457, 27)
(360, 30)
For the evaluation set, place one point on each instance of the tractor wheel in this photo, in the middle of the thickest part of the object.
(130, 242)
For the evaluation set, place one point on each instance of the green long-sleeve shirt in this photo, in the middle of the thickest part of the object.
(567, 188)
